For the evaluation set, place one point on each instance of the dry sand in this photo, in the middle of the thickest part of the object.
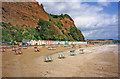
(97, 61)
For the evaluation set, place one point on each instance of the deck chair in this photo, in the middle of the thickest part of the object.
(63, 55)
(73, 50)
(50, 59)
(8, 46)
(68, 47)
(65, 47)
(81, 51)
(46, 59)
(19, 48)
(25, 47)
(72, 53)
(79, 46)
(60, 56)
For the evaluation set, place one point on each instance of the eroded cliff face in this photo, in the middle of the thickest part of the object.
(23, 13)
(26, 15)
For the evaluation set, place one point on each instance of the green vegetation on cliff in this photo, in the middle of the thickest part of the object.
(44, 31)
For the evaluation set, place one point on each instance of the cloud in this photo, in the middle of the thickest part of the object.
(91, 19)
(102, 33)
(104, 4)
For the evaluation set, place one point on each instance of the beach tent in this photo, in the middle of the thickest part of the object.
(66, 42)
(56, 42)
(51, 42)
(25, 41)
(82, 42)
(40, 42)
(70, 42)
(37, 42)
(77, 42)
(73, 42)
(43, 42)
(47, 42)
(61, 42)
(31, 42)
(34, 42)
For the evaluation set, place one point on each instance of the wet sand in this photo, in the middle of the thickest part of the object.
(97, 61)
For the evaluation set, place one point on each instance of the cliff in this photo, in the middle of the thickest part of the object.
(29, 20)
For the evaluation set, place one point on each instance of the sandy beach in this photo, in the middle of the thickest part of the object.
(97, 61)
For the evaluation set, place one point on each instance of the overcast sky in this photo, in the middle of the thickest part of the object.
(96, 20)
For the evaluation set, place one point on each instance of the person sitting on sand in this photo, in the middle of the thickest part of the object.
(20, 45)
(26, 44)
(3, 49)
(12, 45)
(14, 48)
(18, 52)
(36, 49)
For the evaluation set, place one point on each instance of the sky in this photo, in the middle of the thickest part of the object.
(96, 20)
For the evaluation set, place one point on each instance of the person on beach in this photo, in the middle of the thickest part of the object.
(20, 45)
(18, 51)
(26, 44)
(36, 49)
(14, 48)
(12, 45)
(3, 49)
